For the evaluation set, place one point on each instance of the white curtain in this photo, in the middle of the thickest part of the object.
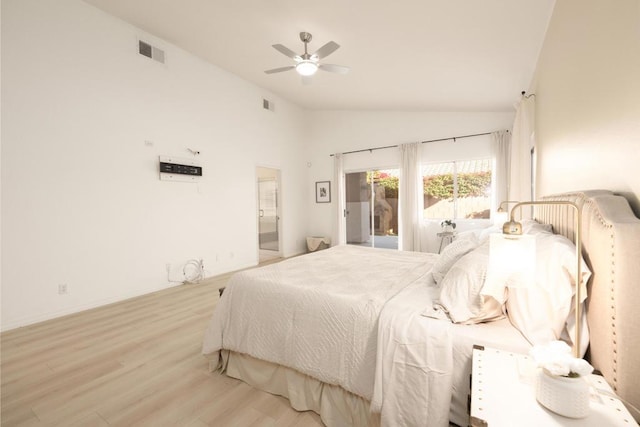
(410, 197)
(522, 142)
(340, 234)
(501, 141)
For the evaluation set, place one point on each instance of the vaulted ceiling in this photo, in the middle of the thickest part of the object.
(407, 55)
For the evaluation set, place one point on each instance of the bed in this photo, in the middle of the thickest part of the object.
(357, 334)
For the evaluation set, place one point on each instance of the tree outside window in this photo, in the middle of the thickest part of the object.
(458, 189)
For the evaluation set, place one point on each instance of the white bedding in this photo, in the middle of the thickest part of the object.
(351, 316)
(317, 313)
(424, 363)
(414, 371)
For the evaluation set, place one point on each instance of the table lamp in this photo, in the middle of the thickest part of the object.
(514, 228)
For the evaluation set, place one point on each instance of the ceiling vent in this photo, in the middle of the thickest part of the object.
(267, 105)
(149, 51)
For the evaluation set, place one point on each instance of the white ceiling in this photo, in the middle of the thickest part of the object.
(437, 55)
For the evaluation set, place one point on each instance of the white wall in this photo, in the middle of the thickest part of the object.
(85, 118)
(588, 99)
(341, 131)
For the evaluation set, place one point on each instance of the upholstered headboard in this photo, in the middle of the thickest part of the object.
(611, 248)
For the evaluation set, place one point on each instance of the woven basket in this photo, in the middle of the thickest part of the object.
(317, 243)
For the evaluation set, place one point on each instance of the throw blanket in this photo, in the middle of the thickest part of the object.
(413, 381)
(316, 313)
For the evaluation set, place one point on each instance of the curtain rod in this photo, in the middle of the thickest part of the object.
(422, 142)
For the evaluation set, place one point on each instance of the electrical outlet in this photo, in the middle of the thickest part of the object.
(63, 289)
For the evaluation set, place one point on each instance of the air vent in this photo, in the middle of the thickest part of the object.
(267, 105)
(149, 51)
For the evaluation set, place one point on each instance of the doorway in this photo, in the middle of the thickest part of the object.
(372, 208)
(269, 227)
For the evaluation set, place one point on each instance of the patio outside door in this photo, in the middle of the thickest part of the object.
(372, 208)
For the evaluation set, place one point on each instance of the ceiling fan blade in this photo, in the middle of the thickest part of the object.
(286, 51)
(326, 50)
(340, 69)
(281, 69)
(306, 80)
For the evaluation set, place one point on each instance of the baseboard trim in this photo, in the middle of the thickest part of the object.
(43, 317)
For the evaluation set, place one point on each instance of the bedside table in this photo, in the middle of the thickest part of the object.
(446, 237)
(503, 394)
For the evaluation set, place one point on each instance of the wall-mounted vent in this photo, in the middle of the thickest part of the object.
(267, 105)
(151, 51)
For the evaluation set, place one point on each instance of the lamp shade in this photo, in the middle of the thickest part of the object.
(500, 217)
(512, 263)
(306, 68)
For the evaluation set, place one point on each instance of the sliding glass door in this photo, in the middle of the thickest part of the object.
(372, 208)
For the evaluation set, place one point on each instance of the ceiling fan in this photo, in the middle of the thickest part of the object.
(307, 64)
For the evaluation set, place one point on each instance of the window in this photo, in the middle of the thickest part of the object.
(457, 189)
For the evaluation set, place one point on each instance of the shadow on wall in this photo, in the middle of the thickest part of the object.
(633, 201)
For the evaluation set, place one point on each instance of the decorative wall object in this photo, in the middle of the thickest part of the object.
(323, 192)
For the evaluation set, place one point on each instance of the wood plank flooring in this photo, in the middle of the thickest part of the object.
(136, 362)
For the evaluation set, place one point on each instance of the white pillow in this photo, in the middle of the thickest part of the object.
(460, 294)
(485, 233)
(531, 226)
(452, 253)
(541, 312)
(468, 234)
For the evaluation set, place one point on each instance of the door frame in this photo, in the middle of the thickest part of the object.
(371, 206)
(265, 254)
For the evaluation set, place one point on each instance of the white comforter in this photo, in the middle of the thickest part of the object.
(348, 316)
(318, 313)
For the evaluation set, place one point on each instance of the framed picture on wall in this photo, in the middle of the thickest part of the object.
(323, 191)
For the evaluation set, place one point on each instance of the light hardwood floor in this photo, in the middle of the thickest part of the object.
(136, 362)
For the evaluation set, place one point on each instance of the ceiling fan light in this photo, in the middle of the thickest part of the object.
(306, 68)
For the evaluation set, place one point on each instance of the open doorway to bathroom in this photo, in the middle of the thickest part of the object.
(269, 227)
